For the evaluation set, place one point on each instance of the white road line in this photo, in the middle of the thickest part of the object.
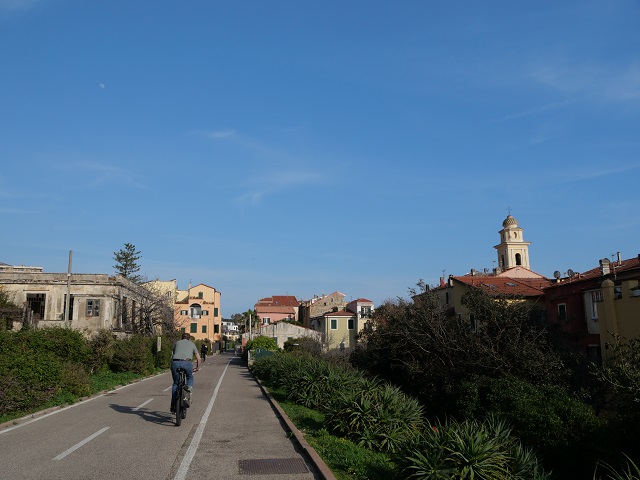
(141, 405)
(168, 388)
(181, 474)
(75, 405)
(78, 445)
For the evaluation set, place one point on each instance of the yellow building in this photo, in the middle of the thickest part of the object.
(619, 310)
(197, 312)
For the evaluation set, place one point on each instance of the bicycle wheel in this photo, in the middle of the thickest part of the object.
(179, 408)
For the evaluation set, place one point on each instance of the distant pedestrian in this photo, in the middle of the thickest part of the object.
(203, 351)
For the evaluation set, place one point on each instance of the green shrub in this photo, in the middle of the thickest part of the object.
(101, 345)
(268, 343)
(132, 355)
(65, 343)
(165, 354)
(75, 380)
(472, 450)
(545, 417)
(376, 416)
(305, 345)
(315, 383)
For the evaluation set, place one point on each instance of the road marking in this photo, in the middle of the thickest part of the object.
(141, 405)
(78, 445)
(181, 474)
(75, 405)
(168, 388)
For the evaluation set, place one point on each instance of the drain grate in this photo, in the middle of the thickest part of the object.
(272, 466)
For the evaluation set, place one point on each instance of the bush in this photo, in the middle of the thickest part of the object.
(132, 355)
(472, 449)
(546, 418)
(101, 345)
(305, 345)
(27, 380)
(164, 356)
(75, 380)
(65, 343)
(268, 343)
(378, 417)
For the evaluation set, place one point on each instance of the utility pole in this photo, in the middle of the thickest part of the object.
(68, 302)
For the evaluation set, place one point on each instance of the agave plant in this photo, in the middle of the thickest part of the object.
(632, 472)
(472, 450)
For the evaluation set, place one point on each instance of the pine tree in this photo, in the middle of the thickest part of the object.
(126, 262)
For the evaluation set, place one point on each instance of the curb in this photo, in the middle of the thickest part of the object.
(311, 454)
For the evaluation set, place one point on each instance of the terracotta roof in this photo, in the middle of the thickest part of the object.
(279, 300)
(628, 264)
(527, 287)
(339, 313)
(362, 300)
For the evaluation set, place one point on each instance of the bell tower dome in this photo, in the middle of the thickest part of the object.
(513, 251)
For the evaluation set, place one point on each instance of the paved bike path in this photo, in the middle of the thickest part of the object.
(244, 435)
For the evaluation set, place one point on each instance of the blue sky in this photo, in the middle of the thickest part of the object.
(304, 147)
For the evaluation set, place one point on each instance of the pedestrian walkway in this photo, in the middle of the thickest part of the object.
(247, 436)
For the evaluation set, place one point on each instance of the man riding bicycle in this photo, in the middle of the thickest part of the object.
(183, 353)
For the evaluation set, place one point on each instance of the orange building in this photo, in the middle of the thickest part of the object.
(197, 312)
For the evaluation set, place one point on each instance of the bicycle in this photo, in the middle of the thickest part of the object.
(183, 397)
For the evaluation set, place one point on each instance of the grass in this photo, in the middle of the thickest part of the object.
(100, 381)
(346, 460)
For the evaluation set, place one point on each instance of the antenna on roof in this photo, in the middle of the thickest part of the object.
(557, 274)
(571, 273)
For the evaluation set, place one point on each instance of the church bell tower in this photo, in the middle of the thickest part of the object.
(513, 251)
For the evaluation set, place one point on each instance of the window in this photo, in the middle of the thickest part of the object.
(350, 324)
(617, 291)
(334, 324)
(596, 297)
(446, 298)
(562, 311)
(216, 329)
(204, 329)
(93, 308)
(200, 294)
(183, 330)
(518, 259)
(266, 320)
(196, 310)
(205, 312)
(184, 312)
(36, 302)
(194, 328)
(215, 312)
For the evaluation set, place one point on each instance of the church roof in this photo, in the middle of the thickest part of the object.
(510, 221)
(526, 287)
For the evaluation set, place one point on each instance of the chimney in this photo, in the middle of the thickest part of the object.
(442, 278)
(604, 266)
(619, 259)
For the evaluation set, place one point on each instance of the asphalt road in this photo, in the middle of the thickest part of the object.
(231, 432)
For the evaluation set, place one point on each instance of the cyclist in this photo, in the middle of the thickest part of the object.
(183, 353)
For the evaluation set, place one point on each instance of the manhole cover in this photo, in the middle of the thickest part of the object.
(272, 466)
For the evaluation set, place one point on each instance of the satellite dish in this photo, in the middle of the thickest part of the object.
(557, 274)
(571, 273)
